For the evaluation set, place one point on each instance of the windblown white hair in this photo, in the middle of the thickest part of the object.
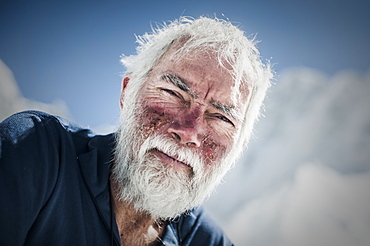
(219, 36)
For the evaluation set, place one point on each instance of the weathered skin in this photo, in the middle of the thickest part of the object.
(187, 113)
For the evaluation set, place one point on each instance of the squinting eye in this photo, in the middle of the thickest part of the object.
(169, 92)
(223, 118)
(173, 93)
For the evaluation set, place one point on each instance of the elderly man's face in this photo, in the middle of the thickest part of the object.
(175, 148)
(190, 102)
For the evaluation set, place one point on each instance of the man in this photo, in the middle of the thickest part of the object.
(189, 100)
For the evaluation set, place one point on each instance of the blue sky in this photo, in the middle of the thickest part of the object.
(70, 50)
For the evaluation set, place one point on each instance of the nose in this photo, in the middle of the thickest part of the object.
(187, 133)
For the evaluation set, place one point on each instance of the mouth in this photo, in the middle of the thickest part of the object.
(171, 161)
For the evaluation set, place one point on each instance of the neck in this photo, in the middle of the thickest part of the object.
(134, 227)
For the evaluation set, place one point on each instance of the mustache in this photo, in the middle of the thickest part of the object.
(172, 149)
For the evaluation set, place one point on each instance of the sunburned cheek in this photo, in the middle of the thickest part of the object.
(152, 119)
(212, 151)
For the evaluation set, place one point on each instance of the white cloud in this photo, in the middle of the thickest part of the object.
(327, 208)
(321, 207)
(12, 101)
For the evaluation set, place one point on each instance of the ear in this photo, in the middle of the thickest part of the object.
(125, 81)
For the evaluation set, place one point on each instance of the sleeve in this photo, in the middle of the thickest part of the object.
(28, 172)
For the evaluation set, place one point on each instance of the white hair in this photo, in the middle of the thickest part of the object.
(232, 47)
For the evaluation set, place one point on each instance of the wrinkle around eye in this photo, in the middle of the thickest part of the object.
(223, 119)
(171, 92)
(175, 94)
(222, 129)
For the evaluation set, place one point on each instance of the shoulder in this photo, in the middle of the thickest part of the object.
(34, 138)
(21, 123)
(36, 124)
(30, 126)
(25, 132)
(29, 140)
(197, 227)
(36, 155)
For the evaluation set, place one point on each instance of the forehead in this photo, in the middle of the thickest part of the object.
(202, 71)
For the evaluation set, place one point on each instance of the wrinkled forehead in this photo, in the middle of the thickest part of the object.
(179, 52)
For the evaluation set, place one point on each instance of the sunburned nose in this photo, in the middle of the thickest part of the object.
(186, 133)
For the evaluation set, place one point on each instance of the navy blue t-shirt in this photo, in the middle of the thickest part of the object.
(54, 188)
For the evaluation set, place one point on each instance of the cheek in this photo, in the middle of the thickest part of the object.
(213, 150)
(152, 119)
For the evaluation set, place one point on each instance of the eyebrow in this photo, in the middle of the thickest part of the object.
(180, 83)
(229, 110)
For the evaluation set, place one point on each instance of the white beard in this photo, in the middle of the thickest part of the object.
(154, 187)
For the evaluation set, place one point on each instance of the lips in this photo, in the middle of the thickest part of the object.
(172, 161)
